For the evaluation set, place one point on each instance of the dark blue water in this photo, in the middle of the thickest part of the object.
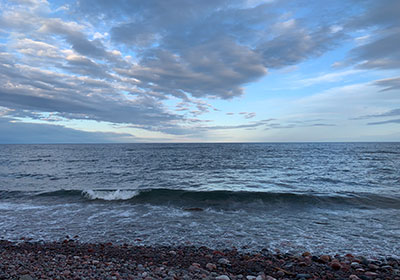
(324, 198)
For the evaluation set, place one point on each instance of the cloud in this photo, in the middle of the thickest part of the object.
(381, 53)
(391, 113)
(207, 48)
(389, 84)
(385, 122)
(381, 18)
(18, 132)
(248, 115)
(126, 62)
(248, 125)
(328, 77)
(28, 89)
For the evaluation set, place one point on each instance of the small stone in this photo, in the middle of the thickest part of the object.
(373, 267)
(193, 268)
(303, 276)
(355, 265)
(211, 266)
(251, 277)
(325, 258)
(26, 277)
(280, 273)
(370, 273)
(365, 262)
(336, 265)
(270, 278)
(223, 261)
(314, 258)
(196, 265)
(172, 253)
(261, 277)
(222, 277)
(306, 254)
(387, 267)
(354, 277)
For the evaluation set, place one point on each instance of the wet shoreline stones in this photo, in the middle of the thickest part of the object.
(71, 259)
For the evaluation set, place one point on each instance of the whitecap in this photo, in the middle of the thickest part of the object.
(110, 194)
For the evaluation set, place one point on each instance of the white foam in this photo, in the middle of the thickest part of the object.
(110, 195)
(18, 206)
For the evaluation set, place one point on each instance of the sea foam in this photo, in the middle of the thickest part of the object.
(110, 194)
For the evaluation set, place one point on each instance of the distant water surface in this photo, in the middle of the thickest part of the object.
(321, 197)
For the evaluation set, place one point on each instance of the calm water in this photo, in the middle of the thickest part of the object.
(325, 198)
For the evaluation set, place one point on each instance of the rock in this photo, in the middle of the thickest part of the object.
(193, 268)
(370, 273)
(270, 278)
(325, 258)
(355, 265)
(261, 277)
(365, 262)
(306, 254)
(303, 276)
(196, 265)
(251, 277)
(354, 277)
(26, 277)
(194, 209)
(336, 265)
(222, 277)
(280, 273)
(387, 267)
(223, 261)
(211, 266)
(373, 267)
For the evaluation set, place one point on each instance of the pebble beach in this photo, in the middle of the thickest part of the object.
(71, 259)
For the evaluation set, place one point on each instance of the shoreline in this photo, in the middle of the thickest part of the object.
(70, 259)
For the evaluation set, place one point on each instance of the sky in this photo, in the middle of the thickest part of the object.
(99, 71)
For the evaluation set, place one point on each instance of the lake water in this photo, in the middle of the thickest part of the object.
(318, 197)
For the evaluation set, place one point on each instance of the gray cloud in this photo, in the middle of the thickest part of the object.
(389, 84)
(77, 39)
(197, 49)
(385, 122)
(295, 124)
(33, 89)
(391, 113)
(207, 48)
(17, 132)
(380, 51)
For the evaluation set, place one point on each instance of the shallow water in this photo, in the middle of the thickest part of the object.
(325, 197)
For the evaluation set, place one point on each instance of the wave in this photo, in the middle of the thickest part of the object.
(217, 198)
(110, 194)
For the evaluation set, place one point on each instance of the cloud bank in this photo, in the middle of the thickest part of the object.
(126, 61)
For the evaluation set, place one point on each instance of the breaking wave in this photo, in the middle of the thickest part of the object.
(110, 194)
(220, 198)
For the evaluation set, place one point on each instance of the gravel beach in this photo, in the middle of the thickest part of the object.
(70, 259)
